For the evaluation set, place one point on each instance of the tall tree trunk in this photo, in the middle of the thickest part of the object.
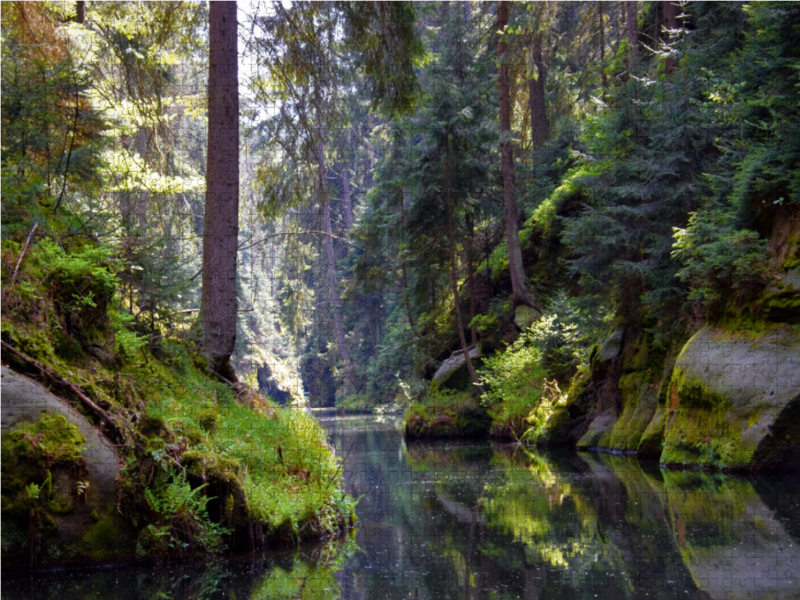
(454, 276)
(221, 223)
(406, 299)
(348, 204)
(471, 277)
(341, 342)
(540, 130)
(631, 26)
(520, 293)
(670, 24)
(80, 11)
(602, 27)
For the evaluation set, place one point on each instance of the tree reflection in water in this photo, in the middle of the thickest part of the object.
(478, 520)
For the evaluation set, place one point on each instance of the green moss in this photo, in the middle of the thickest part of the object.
(209, 420)
(59, 505)
(782, 306)
(652, 440)
(106, 540)
(447, 414)
(708, 438)
(556, 429)
(694, 394)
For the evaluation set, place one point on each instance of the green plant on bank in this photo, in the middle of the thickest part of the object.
(566, 332)
(185, 433)
(720, 261)
(551, 398)
(513, 380)
(183, 521)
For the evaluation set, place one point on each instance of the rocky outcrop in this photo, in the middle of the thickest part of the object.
(76, 511)
(732, 399)
(729, 400)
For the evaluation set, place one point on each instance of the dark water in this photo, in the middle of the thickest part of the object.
(476, 520)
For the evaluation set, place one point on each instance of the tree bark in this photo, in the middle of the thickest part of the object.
(348, 204)
(221, 224)
(670, 23)
(540, 130)
(471, 277)
(520, 293)
(633, 34)
(602, 27)
(80, 11)
(454, 277)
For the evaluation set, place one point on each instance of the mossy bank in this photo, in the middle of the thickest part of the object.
(118, 445)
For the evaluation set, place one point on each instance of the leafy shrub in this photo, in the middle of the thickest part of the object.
(513, 381)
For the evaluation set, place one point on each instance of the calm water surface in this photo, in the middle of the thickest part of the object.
(478, 520)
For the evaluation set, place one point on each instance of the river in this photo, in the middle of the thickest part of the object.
(480, 520)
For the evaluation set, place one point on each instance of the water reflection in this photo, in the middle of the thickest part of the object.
(475, 520)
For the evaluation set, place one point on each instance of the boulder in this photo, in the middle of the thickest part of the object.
(733, 397)
(86, 524)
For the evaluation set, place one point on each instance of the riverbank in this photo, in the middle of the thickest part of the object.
(119, 445)
(456, 517)
(725, 398)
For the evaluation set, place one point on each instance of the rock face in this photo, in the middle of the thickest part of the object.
(732, 399)
(86, 525)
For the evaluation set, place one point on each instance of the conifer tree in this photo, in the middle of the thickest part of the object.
(221, 229)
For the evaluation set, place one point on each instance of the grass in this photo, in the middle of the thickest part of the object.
(188, 439)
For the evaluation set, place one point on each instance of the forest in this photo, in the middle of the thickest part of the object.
(558, 224)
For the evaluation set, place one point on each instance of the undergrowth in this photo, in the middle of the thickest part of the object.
(198, 463)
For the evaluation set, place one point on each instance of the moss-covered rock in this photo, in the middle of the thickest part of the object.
(447, 415)
(58, 472)
(639, 400)
(651, 443)
(557, 428)
(729, 392)
(599, 428)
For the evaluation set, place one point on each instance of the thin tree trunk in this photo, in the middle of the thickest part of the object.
(602, 26)
(221, 223)
(633, 34)
(80, 11)
(540, 130)
(454, 278)
(670, 24)
(348, 205)
(471, 278)
(338, 323)
(520, 293)
(406, 300)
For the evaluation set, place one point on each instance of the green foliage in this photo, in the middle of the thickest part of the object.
(182, 526)
(513, 380)
(446, 413)
(566, 331)
(51, 135)
(720, 261)
(385, 40)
